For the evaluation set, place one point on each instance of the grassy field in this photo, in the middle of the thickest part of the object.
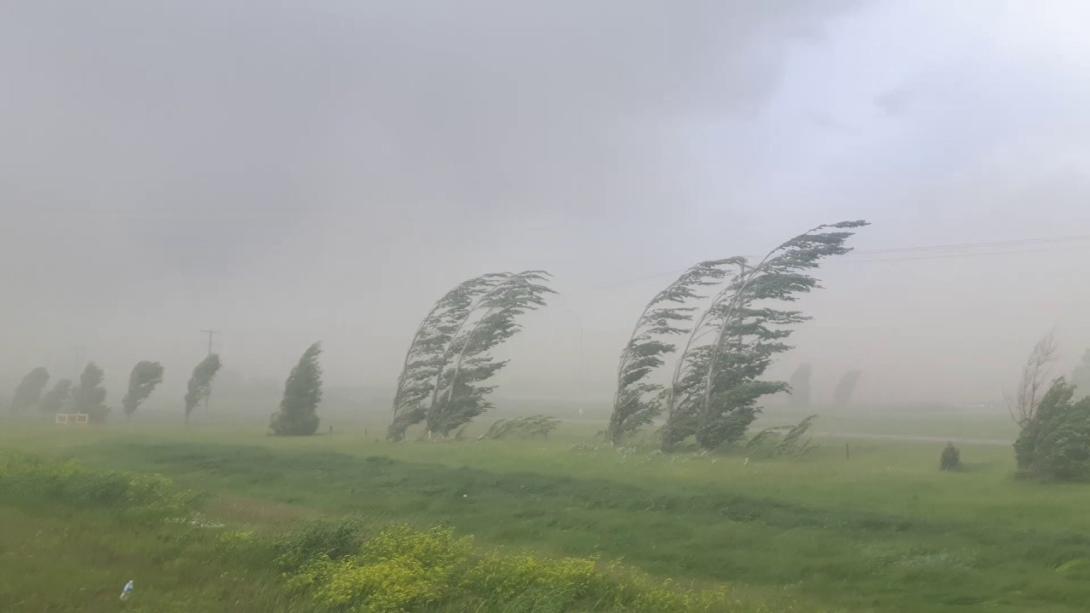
(883, 530)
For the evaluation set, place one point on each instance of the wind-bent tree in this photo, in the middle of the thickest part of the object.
(636, 401)
(424, 360)
(200, 383)
(1054, 442)
(800, 385)
(143, 379)
(716, 385)
(1036, 373)
(447, 362)
(90, 396)
(460, 393)
(845, 388)
(29, 390)
(57, 396)
(302, 393)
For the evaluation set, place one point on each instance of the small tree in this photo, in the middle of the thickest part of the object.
(950, 459)
(800, 386)
(55, 399)
(200, 383)
(143, 379)
(1055, 440)
(302, 393)
(1034, 382)
(29, 390)
(90, 396)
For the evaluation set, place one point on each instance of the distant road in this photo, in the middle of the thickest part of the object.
(908, 438)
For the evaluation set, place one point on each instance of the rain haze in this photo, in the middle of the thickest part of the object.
(291, 172)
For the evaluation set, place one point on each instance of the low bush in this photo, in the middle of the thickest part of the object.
(950, 458)
(404, 569)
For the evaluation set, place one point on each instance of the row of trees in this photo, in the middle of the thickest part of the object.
(297, 414)
(716, 378)
(89, 394)
(801, 396)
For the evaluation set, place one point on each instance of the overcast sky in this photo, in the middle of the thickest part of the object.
(294, 171)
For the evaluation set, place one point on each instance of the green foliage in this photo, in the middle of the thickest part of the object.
(636, 401)
(448, 360)
(950, 458)
(717, 384)
(424, 361)
(199, 387)
(783, 440)
(29, 390)
(460, 393)
(1055, 442)
(302, 394)
(143, 379)
(531, 426)
(57, 397)
(90, 396)
(29, 479)
(404, 569)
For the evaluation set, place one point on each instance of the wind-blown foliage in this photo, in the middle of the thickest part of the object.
(89, 396)
(530, 426)
(143, 379)
(459, 393)
(425, 358)
(636, 401)
(199, 387)
(29, 390)
(716, 385)
(57, 396)
(1054, 442)
(302, 393)
(1080, 377)
(845, 388)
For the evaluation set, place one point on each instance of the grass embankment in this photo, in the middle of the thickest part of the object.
(71, 535)
(883, 531)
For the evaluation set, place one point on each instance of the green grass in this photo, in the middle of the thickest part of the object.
(883, 531)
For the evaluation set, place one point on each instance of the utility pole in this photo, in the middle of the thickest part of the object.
(210, 334)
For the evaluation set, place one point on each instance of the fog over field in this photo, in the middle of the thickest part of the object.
(324, 171)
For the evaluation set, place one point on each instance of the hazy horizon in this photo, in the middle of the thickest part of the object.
(325, 171)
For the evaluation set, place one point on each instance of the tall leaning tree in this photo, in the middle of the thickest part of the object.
(199, 387)
(143, 380)
(637, 401)
(57, 397)
(716, 385)
(302, 392)
(29, 391)
(444, 376)
(424, 359)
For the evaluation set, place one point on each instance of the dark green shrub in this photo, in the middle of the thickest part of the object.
(950, 459)
(1055, 440)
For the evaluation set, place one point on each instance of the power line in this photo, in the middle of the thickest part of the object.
(210, 334)
(946, 251)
